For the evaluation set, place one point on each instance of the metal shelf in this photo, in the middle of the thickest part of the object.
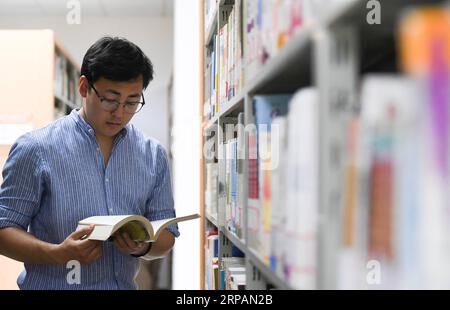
(295, 51)
(211, 29)
(268, 274)
(211, 219)
(231, 106)
(65, 101)
(240, 244)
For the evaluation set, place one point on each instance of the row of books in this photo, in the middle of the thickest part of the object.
(269, 25)
(66, 80)
(223, 68)
(396, 211)
(394, 220)
(234, 178)
(211, 106)
(230, 52)
(226, 273)
(250, 33)
(396, 206)
(233, 273)
(283, 185)
(279, 231)
(212, 260)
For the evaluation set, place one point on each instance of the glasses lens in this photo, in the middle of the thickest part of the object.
(132, 109)
(109, 105)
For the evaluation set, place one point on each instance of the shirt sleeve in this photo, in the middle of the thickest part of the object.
(23, 183)
(160, 205)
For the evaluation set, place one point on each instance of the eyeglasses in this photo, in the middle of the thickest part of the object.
(111, 105)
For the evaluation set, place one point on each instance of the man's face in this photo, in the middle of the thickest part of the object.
(107, 124)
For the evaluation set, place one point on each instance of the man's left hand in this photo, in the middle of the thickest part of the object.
(127, 246)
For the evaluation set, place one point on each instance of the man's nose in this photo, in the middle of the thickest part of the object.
(119, 112)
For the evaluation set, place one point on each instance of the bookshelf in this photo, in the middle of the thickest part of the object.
(39, 85)
(331, 51)
(49, 74)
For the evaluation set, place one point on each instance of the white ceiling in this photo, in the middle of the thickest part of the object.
(90, 8)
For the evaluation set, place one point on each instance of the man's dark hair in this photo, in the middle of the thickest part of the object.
(116, 59)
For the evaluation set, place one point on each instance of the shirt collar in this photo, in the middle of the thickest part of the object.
(80, 121)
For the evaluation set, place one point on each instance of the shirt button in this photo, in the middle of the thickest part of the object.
(110, 209)
(107, 180)
(98, 149)
(91, 131)
(117, 274)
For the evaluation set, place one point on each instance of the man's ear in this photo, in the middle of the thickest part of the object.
(83, 86)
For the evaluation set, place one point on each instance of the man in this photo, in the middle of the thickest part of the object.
(91, 162)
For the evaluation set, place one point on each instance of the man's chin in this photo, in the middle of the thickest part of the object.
(108, 133)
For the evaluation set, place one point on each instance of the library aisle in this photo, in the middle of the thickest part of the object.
(311, 136)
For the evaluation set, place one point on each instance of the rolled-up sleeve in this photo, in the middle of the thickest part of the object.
(23, 184)
(160, 205)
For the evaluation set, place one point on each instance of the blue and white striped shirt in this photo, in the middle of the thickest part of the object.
(56, 176)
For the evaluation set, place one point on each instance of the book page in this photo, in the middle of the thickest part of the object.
(159, 225)
(137, 226)
(101, 233)
(109, 220)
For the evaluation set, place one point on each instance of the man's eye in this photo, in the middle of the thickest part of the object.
(110, 101)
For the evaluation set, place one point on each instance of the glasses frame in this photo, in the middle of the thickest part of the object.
(102, 98)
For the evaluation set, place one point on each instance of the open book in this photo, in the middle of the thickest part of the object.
(137, 227)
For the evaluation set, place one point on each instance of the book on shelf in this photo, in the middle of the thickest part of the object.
(302, 176)
(266, 108)
(230, 51)
(240, 163)
(269, 25)
(138, 227)
(225, 178)
(211, 189)
(234, 177)
(235, 278)
(231, 185)
(382, 226)
(211, 260)
(230, 267)
(65, 83)
(207, 111)
(283, 185)
(278, 198)
(223, 60)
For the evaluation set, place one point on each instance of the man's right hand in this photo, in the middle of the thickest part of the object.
(74, 248)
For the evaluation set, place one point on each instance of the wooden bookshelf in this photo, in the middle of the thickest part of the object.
(202, 99)
(309, 58)
(30, 100)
